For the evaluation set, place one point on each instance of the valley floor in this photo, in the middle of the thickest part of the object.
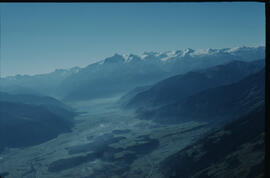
(105, 142)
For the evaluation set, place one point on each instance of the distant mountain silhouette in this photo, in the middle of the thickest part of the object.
(41, 84)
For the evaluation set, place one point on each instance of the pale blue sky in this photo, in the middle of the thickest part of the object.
(40, 37)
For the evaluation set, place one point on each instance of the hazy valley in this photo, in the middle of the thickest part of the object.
(156, 115)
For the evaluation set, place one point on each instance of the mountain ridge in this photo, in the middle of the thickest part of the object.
(181, 86)
(219, 104)
(120, 73)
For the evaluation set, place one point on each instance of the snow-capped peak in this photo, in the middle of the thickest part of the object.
(116, 58)
(133, 58)
(182, 54)
(187, 51)
(167, 55)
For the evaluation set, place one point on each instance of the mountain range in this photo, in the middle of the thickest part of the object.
(217, 93)
(222, 89)
(220, 103)
(181, 86)
(120, 73)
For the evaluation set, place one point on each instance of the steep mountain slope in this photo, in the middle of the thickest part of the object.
(221, 103)
(237, 150)
(179, 87)
(29, 120)
(120, 73)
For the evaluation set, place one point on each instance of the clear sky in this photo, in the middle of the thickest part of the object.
(40, 37)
